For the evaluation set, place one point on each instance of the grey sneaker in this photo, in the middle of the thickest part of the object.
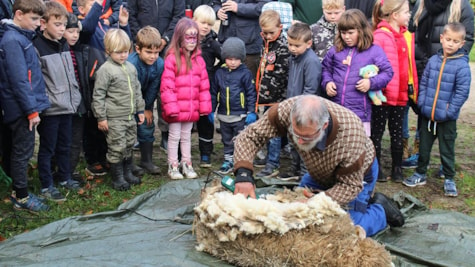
(268, 172)
(449, 188)
(70, 184)
(415, 180)
(52, 193)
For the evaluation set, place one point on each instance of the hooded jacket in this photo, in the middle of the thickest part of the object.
(22, 87)
(445, 86)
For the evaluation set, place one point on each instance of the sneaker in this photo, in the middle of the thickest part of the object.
(268, 172)
(289, 175)
(52, 193)
(258, 162)
(441, 173)
(173, 172)
(411, 162)
(449, 188)
(205, 161)
(30, 203)
(95, 170)
(187, 170)
(70, 184)
(415, 180)
(226, 167)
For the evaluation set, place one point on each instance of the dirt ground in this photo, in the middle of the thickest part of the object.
(432, 193)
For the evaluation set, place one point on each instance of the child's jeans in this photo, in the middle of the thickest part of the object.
(179, 132)
(228, 132)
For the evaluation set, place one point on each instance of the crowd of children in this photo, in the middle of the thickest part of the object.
(89, 82)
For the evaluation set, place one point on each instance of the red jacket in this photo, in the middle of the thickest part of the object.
(399, 48)
(185, 97)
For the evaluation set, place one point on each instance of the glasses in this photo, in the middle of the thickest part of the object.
(191, 38)
(304, 138)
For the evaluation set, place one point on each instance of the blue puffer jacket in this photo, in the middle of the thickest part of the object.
(343, 69)
(234, 91)
(445, 86)
(22, 88)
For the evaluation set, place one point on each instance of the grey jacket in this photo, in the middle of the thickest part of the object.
(305, 74)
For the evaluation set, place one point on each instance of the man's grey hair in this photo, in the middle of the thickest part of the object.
(309, 109)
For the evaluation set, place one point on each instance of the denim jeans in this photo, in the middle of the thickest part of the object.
(273, 152)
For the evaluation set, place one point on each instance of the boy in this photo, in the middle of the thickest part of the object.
(117, 98)
(305, 72)
(235, 90)
(86, 61)
(149, 69)
(272, 78)
(22, 96)
(63, 93)
(211, 52)
(444, 88)
(325, 29)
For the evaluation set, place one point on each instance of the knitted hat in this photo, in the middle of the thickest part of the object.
(233, 47)
(73, 22)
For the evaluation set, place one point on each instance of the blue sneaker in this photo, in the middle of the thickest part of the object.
(441, 173)
(268, 172)
(226, 167)
(411, 162)
(205, 161)
(415, 180)
(30, 203)
(449, 188)
(52, 193)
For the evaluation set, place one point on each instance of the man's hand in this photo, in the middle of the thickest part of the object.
(148, 117)
(245, 188)
(141, 118)
(229, 6)
(103, 126)
(123, 16)
(163, 44)
(33, 122)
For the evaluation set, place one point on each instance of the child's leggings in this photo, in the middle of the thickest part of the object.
(179, 132)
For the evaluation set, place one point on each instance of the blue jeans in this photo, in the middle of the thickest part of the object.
(55, 141)
(145, 133)
(371, 217)
(273, 152)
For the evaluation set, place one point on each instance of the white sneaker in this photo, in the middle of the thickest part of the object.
(173, 172)
(187, 170)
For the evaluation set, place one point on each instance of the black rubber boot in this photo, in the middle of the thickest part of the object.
(396, 172)
(394, 216)
(381, 177)
(117, 174)
(128, 175)
(137, 171)
(164, 141)
(146, 152)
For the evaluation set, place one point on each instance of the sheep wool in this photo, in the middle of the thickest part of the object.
(280, 230)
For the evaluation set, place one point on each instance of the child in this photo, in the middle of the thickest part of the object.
(185, 96)
(325, 29)
(86, 61)
(353, 50)
(304, 79)
(272, 78)
(149, 68)
(235, 93)
(205, 17)
(63, 93)
(116, 99)
(444, 88)
(22, 97)
(390, 21)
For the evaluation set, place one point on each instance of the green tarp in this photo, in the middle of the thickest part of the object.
(154, 229)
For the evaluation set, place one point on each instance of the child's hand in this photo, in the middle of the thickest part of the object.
(106, 22)
(141, 119)
(103, 126)
(331, 89)
(363, 85)
(148, 117)
(33, 122)
(123, 16)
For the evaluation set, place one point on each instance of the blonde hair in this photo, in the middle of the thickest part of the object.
(204, 13)
(269, 17)
(382, 12)
(333, 4)
(148, 37)
(116, 40)
(454, 15)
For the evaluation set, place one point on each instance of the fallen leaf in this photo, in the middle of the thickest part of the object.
(81, 191)
(89, 212)
(2, 238)
(99, 181)
(107, 194)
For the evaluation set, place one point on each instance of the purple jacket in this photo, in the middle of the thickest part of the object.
(335, 68)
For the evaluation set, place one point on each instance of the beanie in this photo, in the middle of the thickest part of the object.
(233, 47)
(73, 22)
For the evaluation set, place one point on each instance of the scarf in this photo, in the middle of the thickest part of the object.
(426, 24)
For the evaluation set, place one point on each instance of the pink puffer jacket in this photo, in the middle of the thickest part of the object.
(185, 97)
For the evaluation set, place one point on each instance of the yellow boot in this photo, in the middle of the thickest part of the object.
(405, 148)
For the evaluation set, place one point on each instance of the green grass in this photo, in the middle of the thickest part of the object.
(471, 55)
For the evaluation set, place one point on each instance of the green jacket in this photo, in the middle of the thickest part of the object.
(308, 11)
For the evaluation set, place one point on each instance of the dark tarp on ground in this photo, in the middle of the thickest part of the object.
(154, 229)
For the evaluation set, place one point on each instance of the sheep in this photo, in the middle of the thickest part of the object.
(281, 230)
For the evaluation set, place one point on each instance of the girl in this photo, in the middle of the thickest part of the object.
(390, 21)
(185, 96)
(352, 51)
